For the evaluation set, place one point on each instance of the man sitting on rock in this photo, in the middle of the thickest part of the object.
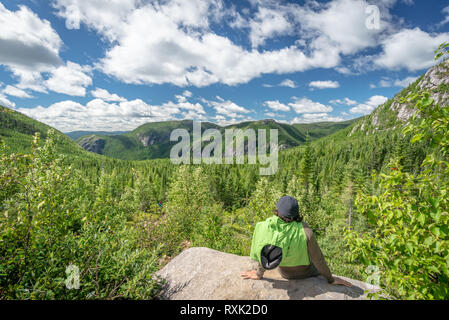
(284, 240)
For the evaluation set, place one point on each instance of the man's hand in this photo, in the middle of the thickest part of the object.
(341, 282)
(250, 274)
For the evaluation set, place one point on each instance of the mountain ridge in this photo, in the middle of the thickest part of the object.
(152, 140)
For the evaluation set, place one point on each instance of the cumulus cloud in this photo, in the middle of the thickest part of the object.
(324, 84)
(106, 96)
(367, 107)
(388, 82)
(268, 23)
(227, 108)
(288, 83)
(345, 101)
(411, 49)
(26, 41)
(341, 24)
(71, 79)
(276, 105)
(29, 48)
(184, 50)
(101, 115)
(405, 82)
(5, 102)
(305, 105)
(187, 93)
(16, 92)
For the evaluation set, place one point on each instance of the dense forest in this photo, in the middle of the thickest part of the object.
(373, 199)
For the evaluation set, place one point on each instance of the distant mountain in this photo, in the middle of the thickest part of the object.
(17, 130)
(152, 140)
(78, 134)
(322, 129)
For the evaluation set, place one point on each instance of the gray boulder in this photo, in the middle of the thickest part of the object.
(206, 274)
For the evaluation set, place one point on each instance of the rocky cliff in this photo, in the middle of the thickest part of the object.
(206, 274)
(92, 143)
(395, 113)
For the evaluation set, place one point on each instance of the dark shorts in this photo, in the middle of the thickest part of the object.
(299, 272)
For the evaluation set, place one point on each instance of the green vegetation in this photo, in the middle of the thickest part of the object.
(409, 214)
(375, 197)
(152, 140)
(322, 129)
(17, 132)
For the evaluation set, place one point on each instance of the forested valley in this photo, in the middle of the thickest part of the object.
(375, 196)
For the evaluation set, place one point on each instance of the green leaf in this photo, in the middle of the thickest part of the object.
(422, 218)
(436, 231)
(428, 241)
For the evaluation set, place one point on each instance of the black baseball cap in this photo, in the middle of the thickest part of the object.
(288, 207)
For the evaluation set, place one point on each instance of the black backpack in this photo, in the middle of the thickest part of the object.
(270, 256)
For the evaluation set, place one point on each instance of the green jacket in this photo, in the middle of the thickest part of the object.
(289, 236)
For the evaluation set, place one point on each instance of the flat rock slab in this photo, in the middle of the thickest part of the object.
(206, 274)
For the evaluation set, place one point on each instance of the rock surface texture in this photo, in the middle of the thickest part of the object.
(206, 274)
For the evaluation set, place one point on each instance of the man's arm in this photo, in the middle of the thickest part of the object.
(316, 256)
(260, 271)
(254, 274)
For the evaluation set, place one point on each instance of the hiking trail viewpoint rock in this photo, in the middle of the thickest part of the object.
(206, 274)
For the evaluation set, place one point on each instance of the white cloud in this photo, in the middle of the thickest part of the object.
(187, 93)
(405, 82)
(445, 11)
(183, 51)
(305, 105)
(71, 79)
(16, 92)
(411, 49)
(402, 83)
(267, 24)
(183, 104)
(341, 24)
(316, 117)
(345, 70)
(29, 79)
(29, 46)
(367, 107)
(100, 115)
(324, 84)
(276, 105)
(105, 16)
(228, 108)
(26, 41)
(288, 83)
(345, 101)
(5, 102)
(106, 96)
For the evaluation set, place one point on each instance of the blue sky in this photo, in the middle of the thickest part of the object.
(114, 65)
